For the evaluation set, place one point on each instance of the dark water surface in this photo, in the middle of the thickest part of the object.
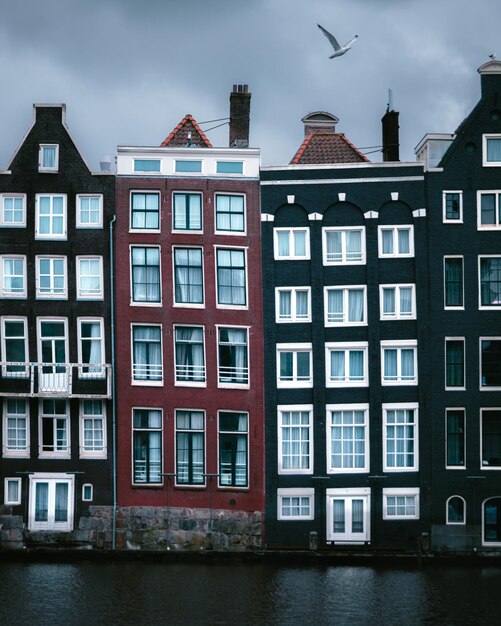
(139, 593)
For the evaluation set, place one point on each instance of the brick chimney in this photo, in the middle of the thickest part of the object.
(240, 99)
(391, 145)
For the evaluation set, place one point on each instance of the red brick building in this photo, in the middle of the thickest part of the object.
(189, 322)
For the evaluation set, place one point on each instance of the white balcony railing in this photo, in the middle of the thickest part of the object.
(76, 380)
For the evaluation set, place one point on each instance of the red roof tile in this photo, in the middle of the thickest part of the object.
(322, 147)
(187, 133)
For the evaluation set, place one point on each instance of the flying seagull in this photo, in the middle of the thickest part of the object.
(338, 50)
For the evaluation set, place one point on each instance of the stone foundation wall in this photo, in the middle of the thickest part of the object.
(143, 528)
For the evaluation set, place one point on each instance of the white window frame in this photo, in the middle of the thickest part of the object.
(51, 235)
(87, 492)
(181, 192)
(485, 139)
(144, 192)
(147, 171)
(52, 480)
(81, 293)
(399, 345)
(482, 386)
(454, 387)
(191, 305)
(41, 166)
(395, 492)
(405, 406)
(63, 453)
(492, 306)
(483, 463)
(396, 253)
(449, 522)
(331, 408)
(398, 315)
(345, 289)
(148, 429)
(347, 348)
(294, 317)
(179, 368)
(50, 295)
(4, 292)
(497, 194)
(293, 408)
(147, 303)
(146, 381)
(191, 431)
(4, 223)
(231, 232)
(64, 321)
(6, 451)
(344, 260)
(453, 307)
(294, 492)
(189, 172)
(244, 374)
(246, 433)
(92, 454)
(348, 495)
(292, 256)
(230, 305)
(97, 370)
(79, 221)
(6, 500)
(23, 373)
(463, 410)
(294, 348)
(446, 220)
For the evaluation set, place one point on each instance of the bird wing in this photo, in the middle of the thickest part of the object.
(330, 37)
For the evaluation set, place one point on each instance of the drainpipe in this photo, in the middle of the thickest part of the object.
(113, 386)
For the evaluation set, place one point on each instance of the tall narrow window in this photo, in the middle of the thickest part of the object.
(489, 209)
(90, 278)
(233, 449)
(54, 376)
(455, 438)
(347, 438)
(145, 270)
(54, 429)
(230, 213)
(491, 145)
(188, 276)
(190, 355)
(13, 276)
(12, 491)
(147, 354)
(92, 429)
(233, 358)
(51, 277)
(456, 510)
(50, 218)
(145, 210)
(490, 282)
(490, 362)
(190, 447)
(452, 206)
(491, 438)
(453, 282)
(400, 438)
(91, 348)
(454, 363)
(231, 277)
(187, 211)
(16, 433)
(295, 440)
(147, 446)
(14, 347)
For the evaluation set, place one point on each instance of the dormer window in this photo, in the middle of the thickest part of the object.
(492, 150)
(48, 157)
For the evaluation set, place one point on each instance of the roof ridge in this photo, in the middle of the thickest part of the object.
(354, 147)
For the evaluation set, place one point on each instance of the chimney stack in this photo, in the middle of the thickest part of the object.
(391, 145)
(239, 116)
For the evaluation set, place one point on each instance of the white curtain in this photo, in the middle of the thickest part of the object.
(41, 502)
(355, 305)
(405, 301)
(230, 213)
(334, 246)
(190, 354)
(283, 243)
(337, 365)
(61, 509)
(407, 357)
(353, 245)
(390, 364)
(389, 302)
(147, 353)
(404, 241)
(302, 304)
(387, 241)
(494, 150)
(335, 305)
(285, 305)
(49, 157)
(356, 365)
(188, 275)
(299, 243)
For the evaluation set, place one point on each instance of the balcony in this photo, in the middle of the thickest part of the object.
(53, 380)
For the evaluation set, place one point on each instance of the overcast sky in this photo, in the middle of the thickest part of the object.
(129, 71)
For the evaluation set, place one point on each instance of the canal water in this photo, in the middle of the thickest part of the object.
(137, 593)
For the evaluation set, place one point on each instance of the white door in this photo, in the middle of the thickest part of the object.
(51, 502)
(348, 515)
(54, 374)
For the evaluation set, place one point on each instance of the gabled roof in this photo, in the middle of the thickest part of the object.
(322, 147)
(187, 133)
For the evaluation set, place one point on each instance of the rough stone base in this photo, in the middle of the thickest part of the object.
(142, 528)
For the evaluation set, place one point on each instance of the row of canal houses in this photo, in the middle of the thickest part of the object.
(197, 352)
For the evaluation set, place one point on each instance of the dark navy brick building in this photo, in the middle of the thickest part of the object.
(55, 334)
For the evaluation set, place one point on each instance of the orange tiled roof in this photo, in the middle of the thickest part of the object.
(327, 147)
(179, 136)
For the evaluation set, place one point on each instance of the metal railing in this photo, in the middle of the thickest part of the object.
(69, 380)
